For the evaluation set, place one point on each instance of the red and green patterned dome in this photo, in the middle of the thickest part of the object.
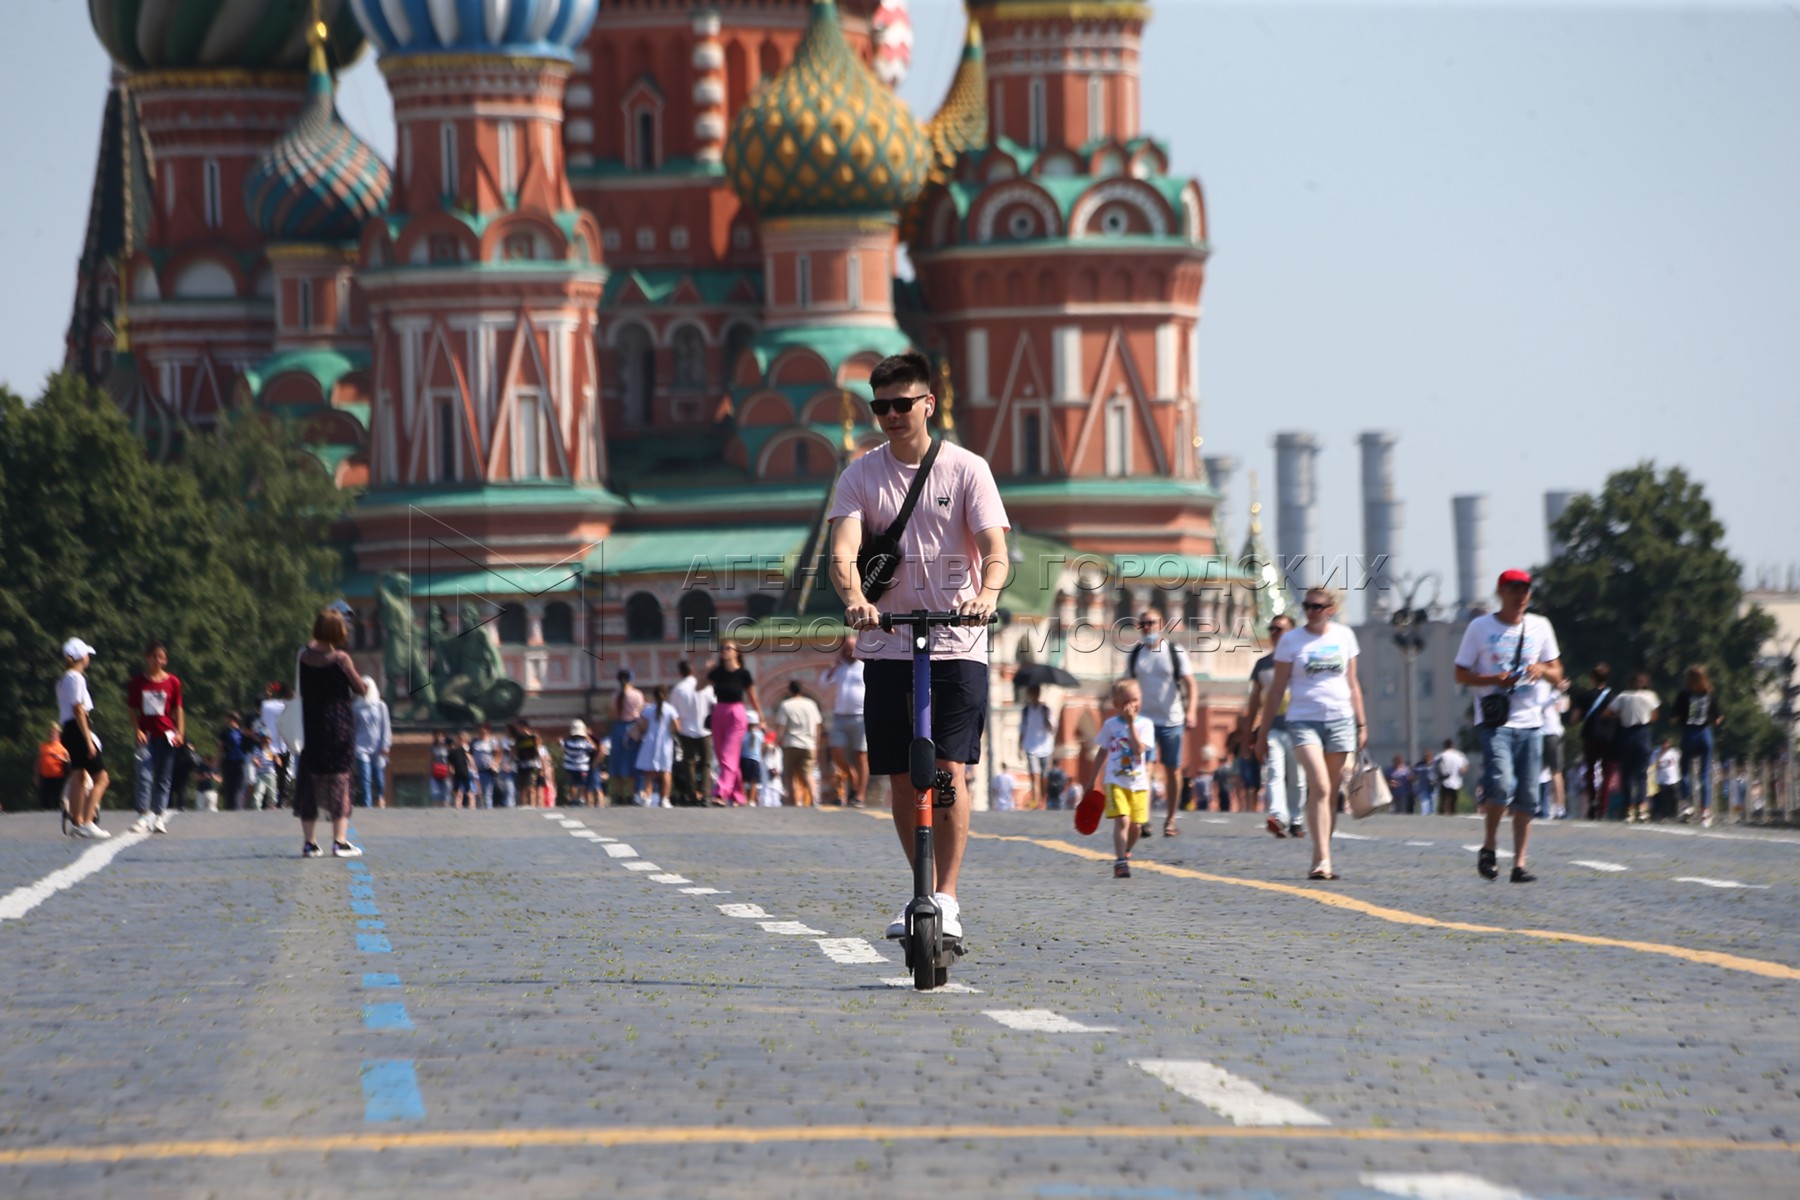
(210, 35)
(319, 182)
(825, 136)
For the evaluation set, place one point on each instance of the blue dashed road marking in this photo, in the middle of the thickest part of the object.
(386, 1016)
(374, 943)
(391, 1091)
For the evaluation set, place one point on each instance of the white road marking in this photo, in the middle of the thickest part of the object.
(791, 928)
(1042, 1020)
(703, 891)
(1421, 843)
(906, 981)
(620, 850)
(642, 865)
(752, 911)
(1721, 883)
(1237, 1099)
(850, 951)
(1720, 837)
(1450, 1185)
(1593, 865)
(1351, 837)
(586, 835)
(552, 816)
(16, 903)
(1214, 821)
(1500, 853)
(568, 824)
(669, 877)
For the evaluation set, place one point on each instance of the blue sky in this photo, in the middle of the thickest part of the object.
(1541, 242)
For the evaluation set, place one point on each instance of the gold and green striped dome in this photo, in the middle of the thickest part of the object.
(824, 135)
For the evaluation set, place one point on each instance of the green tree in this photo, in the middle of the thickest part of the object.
(224, 556)
(1644, 583)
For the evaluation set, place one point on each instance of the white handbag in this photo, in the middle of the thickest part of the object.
(1366, 791)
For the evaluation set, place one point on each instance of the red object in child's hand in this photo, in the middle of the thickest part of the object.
(1087, 813)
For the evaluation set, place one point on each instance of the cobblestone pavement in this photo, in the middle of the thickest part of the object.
(692, 1003)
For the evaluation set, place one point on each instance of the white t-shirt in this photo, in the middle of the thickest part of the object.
(1003, 789)
(1668, 767)
(1319, 686)
(689, 707)
(1450, 766)
(1489, 646)
(1158, 680)
(1556, 703)
(846, 680)
(1635, 708)
(1123, 767)
(797, 722)
(1036, 738)
(72, 692)
(271, 723)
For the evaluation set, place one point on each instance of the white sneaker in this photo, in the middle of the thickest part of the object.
(94, 831)
(952, 915)
(142, 824)
(897, 927)
(80, 831)
(345, 850)
(160, 825)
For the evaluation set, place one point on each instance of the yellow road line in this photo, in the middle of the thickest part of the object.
(519, 1139)
(1400, 916)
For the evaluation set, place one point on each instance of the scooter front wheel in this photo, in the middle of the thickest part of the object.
(922, 949)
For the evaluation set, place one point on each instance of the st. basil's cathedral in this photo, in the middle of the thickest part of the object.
(591, 352)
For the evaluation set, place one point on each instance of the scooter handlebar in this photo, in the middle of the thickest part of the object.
(923, 619)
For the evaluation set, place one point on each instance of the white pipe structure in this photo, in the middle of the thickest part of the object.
(1472, 584)
(1383, 517)
(1296, 495)
(1555, 504)
(1221, 469)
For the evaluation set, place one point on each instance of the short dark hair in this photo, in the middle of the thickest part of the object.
(910, 367)
(794, 688)
(155, 645)
(1602, 674)
(682, 668)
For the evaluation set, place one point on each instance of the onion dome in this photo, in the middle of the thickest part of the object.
(526, 28)
(824, 135)
(319, 182)
(893, 36)
(177, 35)
(961, 122)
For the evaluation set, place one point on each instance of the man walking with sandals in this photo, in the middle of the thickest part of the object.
(1503, 656)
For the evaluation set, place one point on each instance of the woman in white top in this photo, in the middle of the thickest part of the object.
(1315, 669)
(87, 773)
(1037, 742)
(655, 731)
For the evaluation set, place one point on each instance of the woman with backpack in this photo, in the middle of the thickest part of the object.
(1696, 713)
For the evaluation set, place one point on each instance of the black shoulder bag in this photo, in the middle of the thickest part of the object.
(878, 558)
(1496, 707)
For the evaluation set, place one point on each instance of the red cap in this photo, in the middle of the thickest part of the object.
(1515, 576)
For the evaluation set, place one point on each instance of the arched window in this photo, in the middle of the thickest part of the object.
(559, 624)
(447, 160)
(643, 618)
(513, 627)
(737, 340)
(690, 359)
(758, 605)
(637, 373)
(699, 618)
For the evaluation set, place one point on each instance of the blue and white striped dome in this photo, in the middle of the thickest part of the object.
(529, 28)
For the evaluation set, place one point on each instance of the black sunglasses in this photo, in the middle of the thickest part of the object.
(899, 404)
(1315, 606)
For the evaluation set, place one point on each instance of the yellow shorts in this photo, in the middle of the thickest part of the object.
(1121, 803)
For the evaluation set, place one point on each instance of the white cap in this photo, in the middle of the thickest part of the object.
(76, 648)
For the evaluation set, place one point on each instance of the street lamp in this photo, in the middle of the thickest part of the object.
(1408, 636)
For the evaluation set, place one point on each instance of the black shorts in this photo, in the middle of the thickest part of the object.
(1553, 752)
(77, 746)
(959, 694)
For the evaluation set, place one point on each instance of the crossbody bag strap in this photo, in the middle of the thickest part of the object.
(1519, 654)
(912, 494)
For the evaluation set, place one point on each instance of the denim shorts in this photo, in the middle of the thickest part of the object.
(1334, 737)
(1168, 745)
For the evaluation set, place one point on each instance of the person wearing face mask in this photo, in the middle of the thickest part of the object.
(1166, 679)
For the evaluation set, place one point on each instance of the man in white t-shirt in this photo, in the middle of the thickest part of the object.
(952, 558)
(1449, 766)
(797, 722)
(849, 758)
(692, 705)
(1505, 655)
(1166, 677)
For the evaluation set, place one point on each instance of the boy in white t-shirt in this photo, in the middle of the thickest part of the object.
(1124, 748)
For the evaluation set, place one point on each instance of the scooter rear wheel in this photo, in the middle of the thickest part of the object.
(922, 950)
